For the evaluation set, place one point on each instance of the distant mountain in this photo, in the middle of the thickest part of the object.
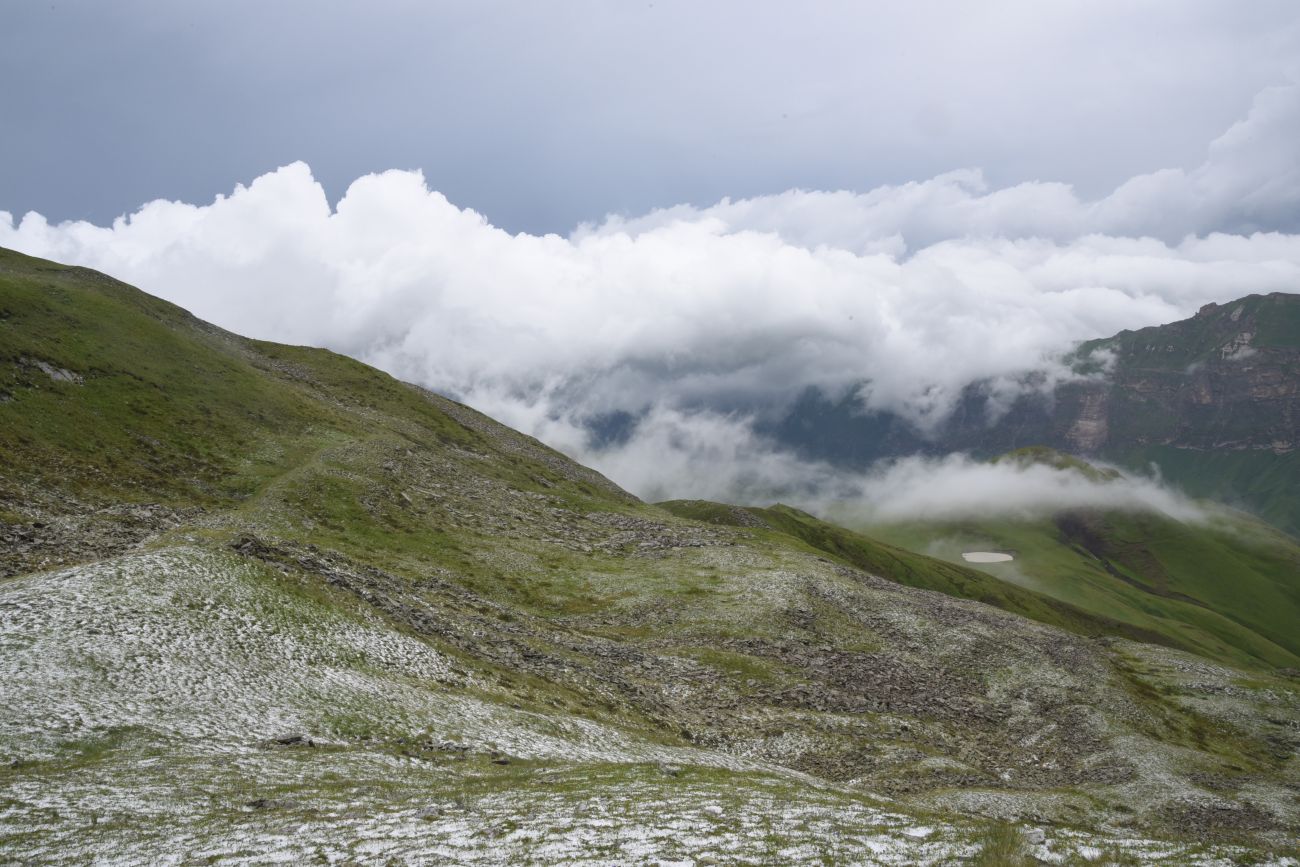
(1213, 401)
(262, 603)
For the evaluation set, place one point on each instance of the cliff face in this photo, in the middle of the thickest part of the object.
(1226, 379)
(1213, 400)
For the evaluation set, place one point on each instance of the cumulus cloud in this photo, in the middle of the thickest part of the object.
(691, 318)
(1248, 182)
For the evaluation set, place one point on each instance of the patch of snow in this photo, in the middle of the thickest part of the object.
(985, 557)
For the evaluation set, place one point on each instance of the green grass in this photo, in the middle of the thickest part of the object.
(1266, 481)
(1001, 845)
(1173, 722)
(904, 566)
(1029, 455)
(165, 407)
(1228, 590)
(740, 666)
(171, 408)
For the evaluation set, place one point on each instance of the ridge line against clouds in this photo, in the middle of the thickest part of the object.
(694, 318)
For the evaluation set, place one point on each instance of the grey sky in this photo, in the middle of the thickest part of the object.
(544, 115)
(1015, 177)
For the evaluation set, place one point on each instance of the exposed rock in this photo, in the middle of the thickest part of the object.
(54, 372)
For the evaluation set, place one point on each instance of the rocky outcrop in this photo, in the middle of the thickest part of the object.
(1226, 379)
(1091, 425)
(1223, 384)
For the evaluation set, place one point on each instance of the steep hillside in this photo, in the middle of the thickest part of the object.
(1213, 400)
(1229, 589)
(266, 603)
(1226, 379)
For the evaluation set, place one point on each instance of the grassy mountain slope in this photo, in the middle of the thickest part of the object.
(218, 550)
(184, 410)
(912, 569)
(1259, 481)
(1227, 588)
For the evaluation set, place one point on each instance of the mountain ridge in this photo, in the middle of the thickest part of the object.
(1216, 409)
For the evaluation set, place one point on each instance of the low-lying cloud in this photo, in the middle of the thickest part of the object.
(691, 318)
(956, 487)
(710, 456)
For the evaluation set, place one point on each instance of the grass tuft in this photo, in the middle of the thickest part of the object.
(1002, 845)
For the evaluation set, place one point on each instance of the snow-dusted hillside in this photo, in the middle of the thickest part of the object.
(182, 705)
(262, 603)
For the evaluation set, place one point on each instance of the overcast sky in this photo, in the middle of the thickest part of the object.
(544, 115)
(554, 211)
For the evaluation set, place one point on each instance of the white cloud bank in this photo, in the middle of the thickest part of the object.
(956, 487)
(703, 455)
(919, 288)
